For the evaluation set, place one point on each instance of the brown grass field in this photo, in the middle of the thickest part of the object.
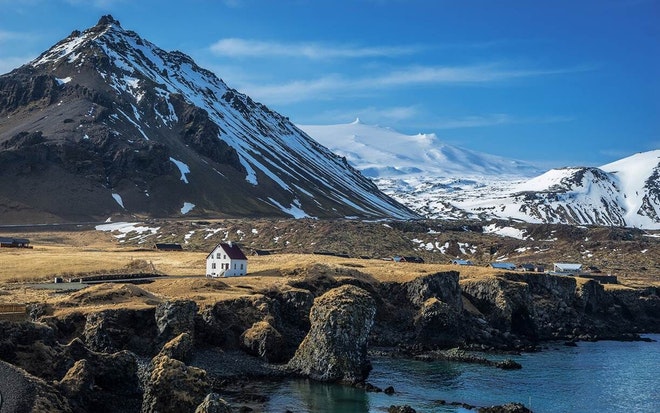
(79, 253)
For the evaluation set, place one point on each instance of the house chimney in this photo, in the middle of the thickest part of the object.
(229, 243)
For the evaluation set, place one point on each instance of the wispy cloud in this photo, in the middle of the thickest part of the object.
(100, 4)
(463, 74)
(6, 36)
(373, 115)
(334, 85)
(494, 119)
(7, 64)
(236, 47)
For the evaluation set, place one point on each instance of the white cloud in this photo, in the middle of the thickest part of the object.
(236, 47)
(332, 85)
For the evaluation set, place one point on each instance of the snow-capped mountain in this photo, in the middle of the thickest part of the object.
(442, 181)
(622, 193)
(420, 170)
(385, 153)
(105, 122)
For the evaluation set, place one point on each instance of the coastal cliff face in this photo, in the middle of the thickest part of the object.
(319, 326)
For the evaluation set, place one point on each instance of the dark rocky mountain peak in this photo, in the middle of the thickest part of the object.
(106, 123)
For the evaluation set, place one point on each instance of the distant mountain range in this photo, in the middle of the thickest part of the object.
(105, 123)
(443, 181)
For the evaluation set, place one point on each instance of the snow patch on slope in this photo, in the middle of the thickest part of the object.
(118, 199)
(183, 168)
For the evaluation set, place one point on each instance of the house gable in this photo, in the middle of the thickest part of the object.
(226, 260)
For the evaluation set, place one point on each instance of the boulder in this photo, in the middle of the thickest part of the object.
(264, 341)
(335, 349)
(401, 409)
(213, 403)
(505, 408)
(171, 386)
(103, 383)
(179, 348)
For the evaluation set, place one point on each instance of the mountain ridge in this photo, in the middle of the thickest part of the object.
(461, 184)
(148, 132)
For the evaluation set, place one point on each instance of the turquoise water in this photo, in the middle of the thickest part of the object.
(604, 376)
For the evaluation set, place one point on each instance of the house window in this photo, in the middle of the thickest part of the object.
(224, 256)
(241, 266)
(213, 266)
(234, 265)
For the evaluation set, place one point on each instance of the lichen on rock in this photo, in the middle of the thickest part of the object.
(174, 387)
(335, 349)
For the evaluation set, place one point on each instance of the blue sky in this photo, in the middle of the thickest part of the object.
(553, 82)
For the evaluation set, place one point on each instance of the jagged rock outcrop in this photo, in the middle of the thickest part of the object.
(174, 318)
(213, 403)
(34, 347)
(179, 348)
(335, 349)
(506, 304)
(171, 386)
(109, 331)
(103, 383)
(535, 307)
(437, 323)
(224, 322)
(264, 341)
(443, 286)
(426, 311)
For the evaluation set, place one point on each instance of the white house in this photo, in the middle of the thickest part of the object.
(226, 260)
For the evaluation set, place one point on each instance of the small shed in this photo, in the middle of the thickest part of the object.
(226, 260)
(461, 262)
(567, 268)
(14, 242)
(169, 247)
(503, 265)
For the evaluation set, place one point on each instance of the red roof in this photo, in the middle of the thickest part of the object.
(233, 251)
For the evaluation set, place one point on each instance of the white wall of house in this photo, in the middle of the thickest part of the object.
(218, 264)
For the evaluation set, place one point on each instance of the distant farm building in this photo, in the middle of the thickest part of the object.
(567, 268)
(503, 265)
(532, 267)
(14, 242)
(461, 262)
(226, 260)
(418, 260)
(169, 247)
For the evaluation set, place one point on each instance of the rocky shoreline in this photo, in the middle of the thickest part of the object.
(179, 356)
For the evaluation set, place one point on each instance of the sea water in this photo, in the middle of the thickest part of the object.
(603, 376)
